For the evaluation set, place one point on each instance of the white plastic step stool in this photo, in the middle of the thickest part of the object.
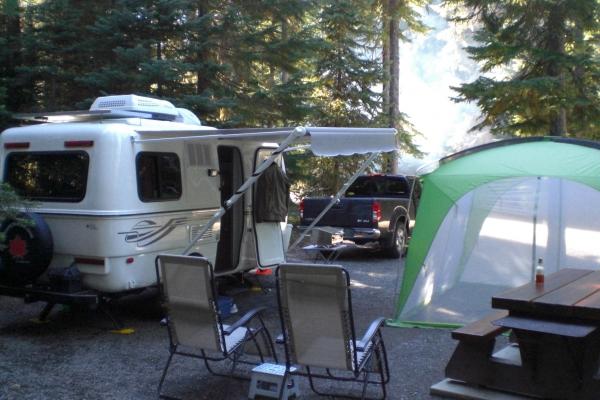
(267, 380)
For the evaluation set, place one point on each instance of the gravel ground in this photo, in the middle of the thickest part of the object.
(75, 356)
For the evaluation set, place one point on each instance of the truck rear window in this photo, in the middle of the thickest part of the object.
(48, 176)
(378, 186)
(158, 176)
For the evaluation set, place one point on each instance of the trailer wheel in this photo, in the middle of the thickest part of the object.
(26, 249)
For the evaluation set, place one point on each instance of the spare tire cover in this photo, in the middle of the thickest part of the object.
(26, 249)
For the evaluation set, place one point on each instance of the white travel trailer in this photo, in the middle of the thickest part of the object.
(134, 177)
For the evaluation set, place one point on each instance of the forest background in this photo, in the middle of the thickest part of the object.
(251, 63)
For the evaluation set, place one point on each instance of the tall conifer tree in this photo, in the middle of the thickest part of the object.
(348, 73)
(284, 64)
(392, 14)
(139, 41)
(548, 51)
(11, 58)
(55, 52)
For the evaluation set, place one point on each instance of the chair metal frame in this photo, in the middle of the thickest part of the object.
(371, 342)
(233, 354)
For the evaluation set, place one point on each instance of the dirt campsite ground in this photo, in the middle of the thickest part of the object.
(75, 356)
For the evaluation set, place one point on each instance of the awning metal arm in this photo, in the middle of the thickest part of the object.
(217, 134)
(296, 133)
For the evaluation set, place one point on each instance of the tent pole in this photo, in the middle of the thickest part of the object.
(560, 231)
(296, 133)
(535, 211)
(335, 198)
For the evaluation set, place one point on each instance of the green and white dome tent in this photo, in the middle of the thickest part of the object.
(488, 214)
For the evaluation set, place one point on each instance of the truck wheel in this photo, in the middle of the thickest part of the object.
(26, 249)
(398, 241)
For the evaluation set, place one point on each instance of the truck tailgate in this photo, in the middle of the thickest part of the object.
(346, 212)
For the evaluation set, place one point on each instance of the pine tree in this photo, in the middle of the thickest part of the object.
(10, 60)
(263, 49)
(4, 72)
(549, 52)
(392, 13)
(347, 71)
(4, 113)
(54, 53)
(137, 46)
(282, 63)
(223, 60)
(206, 91)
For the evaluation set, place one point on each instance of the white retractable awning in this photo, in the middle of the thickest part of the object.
(346, 141)
(322, 141)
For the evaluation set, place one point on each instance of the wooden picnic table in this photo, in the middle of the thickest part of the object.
(557, 349)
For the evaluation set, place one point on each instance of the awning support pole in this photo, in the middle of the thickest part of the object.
(296, 133)
(335, 198)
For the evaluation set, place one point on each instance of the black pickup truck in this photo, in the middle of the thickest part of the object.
(375, 208)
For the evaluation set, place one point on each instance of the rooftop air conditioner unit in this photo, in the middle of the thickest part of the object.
(131, 102)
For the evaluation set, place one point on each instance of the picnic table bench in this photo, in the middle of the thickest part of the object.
(476, 343)
(482, 330)
(557, 351)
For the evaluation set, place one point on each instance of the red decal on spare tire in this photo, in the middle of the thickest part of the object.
(17, 247)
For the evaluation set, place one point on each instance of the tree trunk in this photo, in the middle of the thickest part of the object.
(12, 21)
(285, 76)
(578, 73)
(159, 84)
(394, 61)
(556, 45)
(558, 124)
(202, 81)
(385, 57)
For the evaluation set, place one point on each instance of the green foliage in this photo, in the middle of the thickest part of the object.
(9, 58)
(550, 53)
(10, 207)
(347, 78)
(10, 203)
(348, 73)
(321, 176)
(4, 114)
(234, 63)
(55, 53)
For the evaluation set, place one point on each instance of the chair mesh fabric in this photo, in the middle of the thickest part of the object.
(361, 355)
(187, 289)
(315, 304)
(235, 338)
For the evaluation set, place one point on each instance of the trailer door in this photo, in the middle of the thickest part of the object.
(268, 234)
(232, 223)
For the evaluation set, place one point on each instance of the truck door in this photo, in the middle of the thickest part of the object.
(232, 223)
(268, 235)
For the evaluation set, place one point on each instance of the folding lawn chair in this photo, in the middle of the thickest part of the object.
(318, 329)
(189, 295)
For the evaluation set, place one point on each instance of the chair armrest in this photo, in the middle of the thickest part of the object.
(244, 320)
(362, 344)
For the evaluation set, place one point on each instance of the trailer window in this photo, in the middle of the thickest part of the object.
(48, 176)
(158, 176)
